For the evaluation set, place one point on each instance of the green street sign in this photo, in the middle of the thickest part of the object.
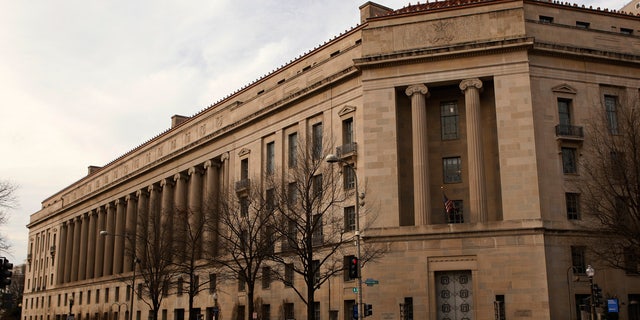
(355, 290)
(370, 282)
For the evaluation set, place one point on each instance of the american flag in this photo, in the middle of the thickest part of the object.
(448, 203)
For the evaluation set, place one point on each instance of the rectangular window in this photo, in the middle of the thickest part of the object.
(139, 293)
(293, 150)
(106, 295)
(266, 312)
(317, 230)
(270, 198)
(165, 288)
(291, 240)
(128, 294)
(80, 298)
(244, 169)
(292, 193)
(583, 24)
(212, 282)
(610, 105)
(266, 277)
(88, 296)
(242, 283)
(316, 310)
(569, 161)
(271, 158)
(97, 297)
(349, 177)
(317, 186)
(564, 111)
(452, 170)
(545, 19)
(347, 131)
(456, 215)
(180, 289)
(288, 275)
(195, 284)
(626, 31)
(288, 311)
(573, 205)
(316, 136)
(499, 307)
(449, 120)
(631, 261)
(117, 295)
(244, 206)
(578, 259)
(407, 309)
(350, 218)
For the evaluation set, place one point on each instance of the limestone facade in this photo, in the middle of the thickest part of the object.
(455, 98)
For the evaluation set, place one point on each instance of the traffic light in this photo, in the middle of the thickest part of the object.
(597, 294)
(5, 272)
(353, 267)
(368, 309)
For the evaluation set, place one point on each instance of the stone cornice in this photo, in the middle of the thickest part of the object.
(585, 53)
(444, 52)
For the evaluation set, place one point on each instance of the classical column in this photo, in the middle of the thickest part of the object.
(224, 181)
(61, 253)
(132, 204)
(421, 192)
(166, 219)
(195, 207)
(477, 191)
(180, 204)
(91, 244)
(142, 220)
(154, 215)
(84, 235)
(75, 259)
(97, 271)
(107, 268)
(119, 238)
(69, 253)
(210, 203)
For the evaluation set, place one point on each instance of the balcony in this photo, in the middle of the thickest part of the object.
(569, 132)
(242, 185)
(347, 150)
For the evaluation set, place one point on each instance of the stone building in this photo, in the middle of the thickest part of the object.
(483, 101)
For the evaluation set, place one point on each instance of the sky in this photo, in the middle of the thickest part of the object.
(83, 82)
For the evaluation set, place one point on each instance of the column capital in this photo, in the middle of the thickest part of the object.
(166, 181)
(193, 170)
(224, 157)
(467, 83)
(179, 176)
(118, 202)
(417, 88)
(142, 193)
(211, 163)
(154, 187)
(130, 197)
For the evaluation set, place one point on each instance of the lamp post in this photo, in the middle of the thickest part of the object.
(592, 306)
(105, 233)
(332, 158)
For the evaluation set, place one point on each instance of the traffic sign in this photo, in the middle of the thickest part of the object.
(370, 282)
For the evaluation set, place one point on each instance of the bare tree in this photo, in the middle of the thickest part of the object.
(244, 236)
(309, 221)
(190, 241)
(155, 252)
(7, 201)
(610, 190)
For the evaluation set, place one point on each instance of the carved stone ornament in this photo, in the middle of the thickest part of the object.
(244, 152)
(564, 88)
(347, 109)
(416, 88)
(475, 82)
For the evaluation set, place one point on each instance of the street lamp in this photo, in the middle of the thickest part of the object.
(105, 233)
(332, 158)
(590, 273)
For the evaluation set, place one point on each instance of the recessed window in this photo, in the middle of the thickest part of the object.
(271, 158)
(293, 149)
(244, 169)
(449, 120)
(545, 19)
(349, 177)
(569, 161)
(583, 24)
(626, 31)
(455, 215)
(316, 136)
(347, 131)
(350, 218)
(573, 206)
(452, 170)
(578, 259)
(266, 277)
(610, 105)
(288, 275)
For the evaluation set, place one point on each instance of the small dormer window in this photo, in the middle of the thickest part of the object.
(545, 19)
(582, 24)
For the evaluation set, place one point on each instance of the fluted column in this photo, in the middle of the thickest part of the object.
(195, 208)
(91, 244)
(421, 192)
(75, 259)
(154, 215)
(131, 229)
(477, 191)
(62, 253)
(118, 249)
(166, 219)
(84, 235)
(107, 268)
(210, 204)
(97, 271)
(142, 220)
(180, 203)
